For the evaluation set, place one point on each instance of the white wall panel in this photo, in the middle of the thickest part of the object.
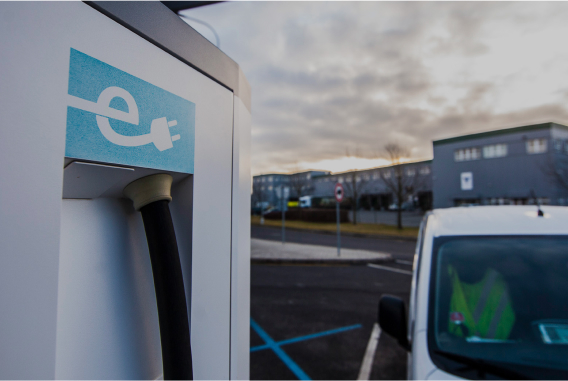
(240, 272)
(108, 322)
(103, 325)
(210, 298)
(32, 143)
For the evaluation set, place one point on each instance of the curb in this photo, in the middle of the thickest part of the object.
(298, 261)
(348, 234)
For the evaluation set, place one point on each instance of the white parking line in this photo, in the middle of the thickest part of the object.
(367, 365)
(403, 262)
(389, 269)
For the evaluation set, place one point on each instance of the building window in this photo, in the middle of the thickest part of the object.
(387, 174)
(494, 150)
(270, 187)
(425, 171)
(340, 179)
(467, 154)
(270, 179)
(366, 177)
(536, 146)
(410, 172)
(262, 179)
(558, 145)
(357, 178)
(376, 175)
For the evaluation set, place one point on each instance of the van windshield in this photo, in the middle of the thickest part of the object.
(499, 306)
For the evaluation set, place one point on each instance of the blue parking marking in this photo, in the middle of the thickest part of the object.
(315, 335)
(307, 337)
(279, 352)
(275, 346)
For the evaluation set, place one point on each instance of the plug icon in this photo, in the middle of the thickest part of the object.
(159, 129)
(160, 133)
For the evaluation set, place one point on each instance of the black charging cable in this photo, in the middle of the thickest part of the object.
(151, 196)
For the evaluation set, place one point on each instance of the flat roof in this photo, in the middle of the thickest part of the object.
(289, 174)
(381, 167)
(499, 220)
(504, 131)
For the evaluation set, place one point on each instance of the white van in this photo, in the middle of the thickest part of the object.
(489, 296)
(306, 202)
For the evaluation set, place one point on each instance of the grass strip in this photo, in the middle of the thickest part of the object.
(348, 227)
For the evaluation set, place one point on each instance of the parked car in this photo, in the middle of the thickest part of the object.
(489, 295)
(406, 206)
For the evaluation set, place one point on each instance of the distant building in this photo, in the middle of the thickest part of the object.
(265, 188)
(501, 167)
(371, 188)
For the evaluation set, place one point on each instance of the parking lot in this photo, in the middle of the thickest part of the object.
(315, 322)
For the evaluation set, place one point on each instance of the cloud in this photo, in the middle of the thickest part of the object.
(331, 76)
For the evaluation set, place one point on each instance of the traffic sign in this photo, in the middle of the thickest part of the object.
(339, 192)
(279, 192)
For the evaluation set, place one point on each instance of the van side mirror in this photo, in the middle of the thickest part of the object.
(392, 319)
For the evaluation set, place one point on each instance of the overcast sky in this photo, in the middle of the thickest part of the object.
(329, 78)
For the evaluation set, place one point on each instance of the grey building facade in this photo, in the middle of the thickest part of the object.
(520, 165)
(265, 188)
(363, 189)
(369, 188)
(501, 167)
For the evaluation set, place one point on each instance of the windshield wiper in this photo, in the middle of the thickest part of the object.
(483, 366)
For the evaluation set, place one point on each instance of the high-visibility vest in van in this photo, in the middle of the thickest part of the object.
(482, 309)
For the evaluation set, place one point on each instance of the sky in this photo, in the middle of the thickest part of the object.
(334, 82)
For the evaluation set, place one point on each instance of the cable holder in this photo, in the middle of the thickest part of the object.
(149, 189)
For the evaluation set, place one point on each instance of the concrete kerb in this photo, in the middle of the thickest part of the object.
(274, 252)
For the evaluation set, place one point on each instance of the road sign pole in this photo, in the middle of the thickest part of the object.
(338, 198)
(283, 219)
(338, 230)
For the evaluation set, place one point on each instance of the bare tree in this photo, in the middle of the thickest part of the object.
(354, 184)
(400, 182)
(555, 171)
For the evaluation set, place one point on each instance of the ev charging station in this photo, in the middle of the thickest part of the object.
(95, 97)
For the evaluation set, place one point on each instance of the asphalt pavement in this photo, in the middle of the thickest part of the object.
(315, 321)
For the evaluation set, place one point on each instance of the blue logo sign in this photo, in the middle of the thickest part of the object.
(114, 117)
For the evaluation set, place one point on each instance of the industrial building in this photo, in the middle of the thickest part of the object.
(367, 188)
(266, 188)
(376, 187)
(503, 167)
(519, 165)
